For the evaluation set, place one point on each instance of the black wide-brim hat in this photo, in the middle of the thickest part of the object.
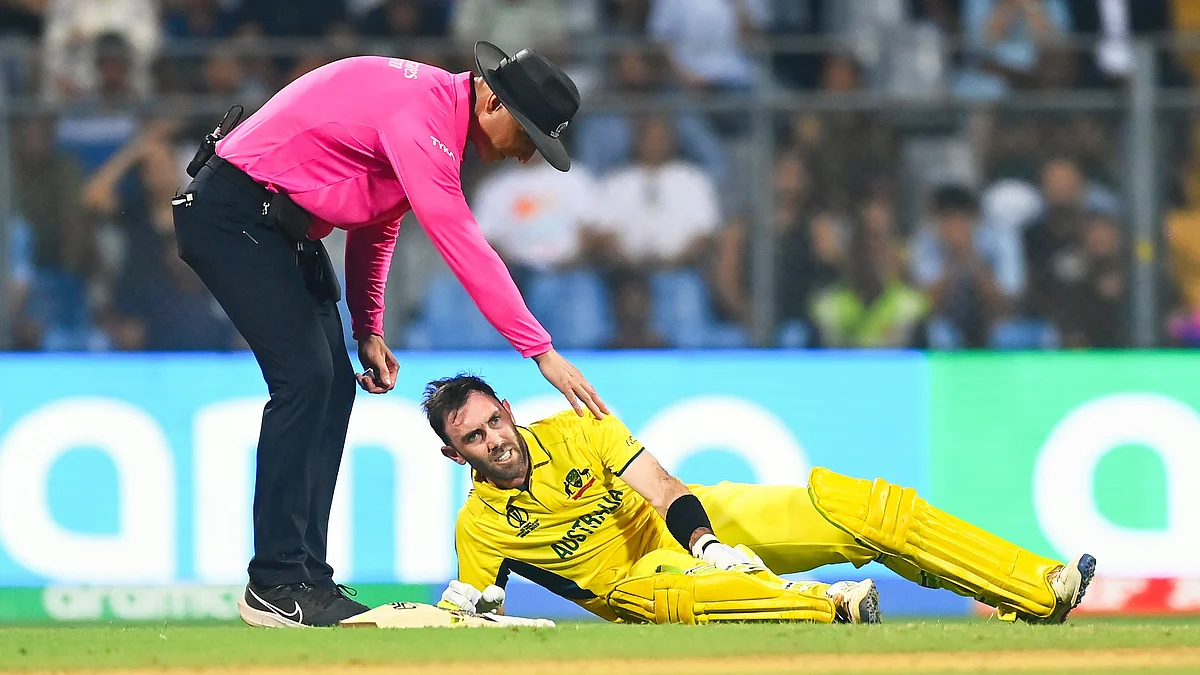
(541, 97)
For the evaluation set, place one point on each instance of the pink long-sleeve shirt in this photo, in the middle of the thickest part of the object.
(359, 142)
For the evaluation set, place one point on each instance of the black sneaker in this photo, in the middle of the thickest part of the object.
(338, 597)
(289, 606)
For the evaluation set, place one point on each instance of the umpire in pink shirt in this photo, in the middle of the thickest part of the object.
(354, 145)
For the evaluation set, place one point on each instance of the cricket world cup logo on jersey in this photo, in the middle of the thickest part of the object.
(577, 482)
(518, 519)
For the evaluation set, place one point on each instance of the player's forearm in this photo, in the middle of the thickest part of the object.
(672, 489)
(683, 513)
(697, 534)
(686, 518)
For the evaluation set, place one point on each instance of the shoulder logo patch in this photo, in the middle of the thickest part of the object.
(409, 67)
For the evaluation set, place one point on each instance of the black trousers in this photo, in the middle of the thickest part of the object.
(252, 271)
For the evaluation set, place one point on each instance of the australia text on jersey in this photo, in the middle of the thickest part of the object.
(586, 525)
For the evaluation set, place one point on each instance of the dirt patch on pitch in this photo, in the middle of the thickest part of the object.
(918, 662)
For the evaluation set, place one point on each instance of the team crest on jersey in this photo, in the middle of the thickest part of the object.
(518, 519)
(577, 482)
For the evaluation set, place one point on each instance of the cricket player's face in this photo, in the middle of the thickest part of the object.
(485, 436)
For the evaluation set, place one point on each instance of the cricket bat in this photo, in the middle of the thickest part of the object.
(420, 615)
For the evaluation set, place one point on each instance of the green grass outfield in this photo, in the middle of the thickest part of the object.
(190, 646)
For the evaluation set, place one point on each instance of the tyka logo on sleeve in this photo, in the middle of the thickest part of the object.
(439, 144)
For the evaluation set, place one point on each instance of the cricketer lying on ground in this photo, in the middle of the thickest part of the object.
(587, 525)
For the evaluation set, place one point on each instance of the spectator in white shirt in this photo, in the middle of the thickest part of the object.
(661, 211)
(536, 217)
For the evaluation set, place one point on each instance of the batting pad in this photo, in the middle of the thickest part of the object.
(420, 615)
(931, 547)
(705, 594)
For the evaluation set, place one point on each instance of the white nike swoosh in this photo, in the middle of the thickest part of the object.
(296, 615)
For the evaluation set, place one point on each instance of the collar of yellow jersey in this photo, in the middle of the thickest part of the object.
(498, 498)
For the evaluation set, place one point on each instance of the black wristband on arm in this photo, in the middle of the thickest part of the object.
(686, 515)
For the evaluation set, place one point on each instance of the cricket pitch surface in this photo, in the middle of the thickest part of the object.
(900, 646)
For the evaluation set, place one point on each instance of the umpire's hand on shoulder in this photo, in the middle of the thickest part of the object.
(724, 557)
(567, 379)
(465, 597)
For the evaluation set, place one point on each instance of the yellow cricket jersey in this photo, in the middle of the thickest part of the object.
(577, 530)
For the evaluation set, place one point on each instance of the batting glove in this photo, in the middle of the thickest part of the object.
(722, 557)
(467, 598)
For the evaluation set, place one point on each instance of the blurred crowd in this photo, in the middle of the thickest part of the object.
(905, 223)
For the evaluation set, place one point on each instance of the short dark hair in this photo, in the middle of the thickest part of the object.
(955, 198)
(443, 397)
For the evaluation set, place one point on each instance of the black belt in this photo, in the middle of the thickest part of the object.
(239, 178)
(282, 213)
(293, 222)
